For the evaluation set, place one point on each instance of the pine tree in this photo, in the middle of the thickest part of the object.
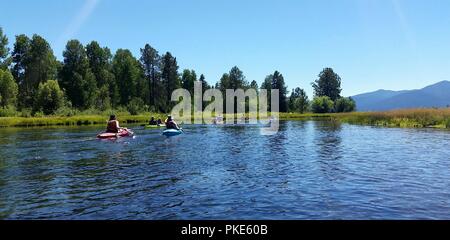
(151, 62)
(170, 78)
(4, 51)
(76, 76)
(328, 84)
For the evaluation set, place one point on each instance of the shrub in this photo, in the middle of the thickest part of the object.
(322, 105)
(38, 114)
(135, 106)
(25, 112)
(298, 101)
(66, 111)
(344, 105)
(91, 111)
(8, 89)
(49, 97)
(8, 111)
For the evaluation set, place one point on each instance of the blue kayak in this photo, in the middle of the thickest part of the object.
(172, 132)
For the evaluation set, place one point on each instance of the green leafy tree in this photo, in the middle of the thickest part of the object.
(135, 106)
(76, 77)
(128, 74)
(205, 85)
(254, 85)
(49, 97)
(302, 102)
(103, 101)
(298, 101)
(234, 79)
(345, 105)
(237, 79)
(100, 63)
(19, 58)
(328, 84)
(151, 62)
(224, 83)
(267, 85)
(4, 51)
(8, 89)
(142, 85)
(188, 79)
(292, 98)
(278, 83)
(322, 104)
(42, 64)
(33, 63)
(170, 78)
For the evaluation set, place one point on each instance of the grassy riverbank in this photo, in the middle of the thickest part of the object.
(71, 121)
(408, 118)
(413, 118)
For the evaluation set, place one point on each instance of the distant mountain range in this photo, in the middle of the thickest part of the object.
(436, 95)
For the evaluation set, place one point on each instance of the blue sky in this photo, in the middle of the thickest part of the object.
(372, 44)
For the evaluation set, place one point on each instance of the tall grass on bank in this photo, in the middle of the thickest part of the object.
(72, 120)
(412, 118)
(64, 121)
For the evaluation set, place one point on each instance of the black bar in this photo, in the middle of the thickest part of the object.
(251, 230)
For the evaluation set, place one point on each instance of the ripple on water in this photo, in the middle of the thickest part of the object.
(308, 170)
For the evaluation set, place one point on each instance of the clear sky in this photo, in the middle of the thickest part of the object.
(371, 44)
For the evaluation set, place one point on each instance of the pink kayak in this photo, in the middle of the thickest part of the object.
(123, 133)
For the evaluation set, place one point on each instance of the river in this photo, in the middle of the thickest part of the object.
(308, 170)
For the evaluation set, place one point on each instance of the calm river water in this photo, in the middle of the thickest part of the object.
(309, 170)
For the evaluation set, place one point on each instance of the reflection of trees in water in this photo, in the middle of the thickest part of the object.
(328, 142)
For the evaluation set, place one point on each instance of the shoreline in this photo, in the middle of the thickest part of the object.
(407, 118)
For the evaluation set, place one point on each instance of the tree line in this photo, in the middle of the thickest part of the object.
(92, 77)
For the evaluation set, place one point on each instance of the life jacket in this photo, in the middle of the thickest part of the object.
(170, 124)
(112, 126)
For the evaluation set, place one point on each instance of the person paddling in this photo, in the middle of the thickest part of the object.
(171, 124)
(113, 125)
(152, 121)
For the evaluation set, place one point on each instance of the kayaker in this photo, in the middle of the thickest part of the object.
(152, 121)
(160, 122)
(113, 125)
(171, 124)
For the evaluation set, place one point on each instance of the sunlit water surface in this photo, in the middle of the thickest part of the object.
(308, 170)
